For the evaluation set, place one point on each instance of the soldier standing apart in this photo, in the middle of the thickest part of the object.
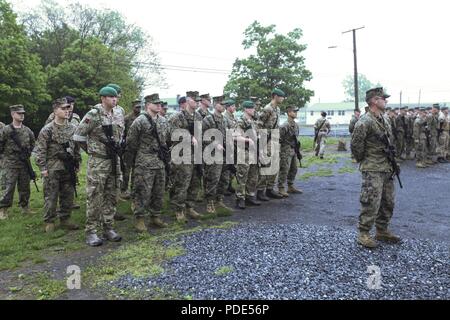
(16, 144)
(377, 191)
(146, 139)
(58, 159)
(214, 172)
(420, 139)
(99, 134)
(443, 135)
(355, 117)
(185, 180)
(247, 167)
(289, 132)
(269, 120)
(322, 128)
(127, 159)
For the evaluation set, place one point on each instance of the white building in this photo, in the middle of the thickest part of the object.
(337, 113)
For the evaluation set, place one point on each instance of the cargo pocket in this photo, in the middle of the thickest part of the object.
(366, 189)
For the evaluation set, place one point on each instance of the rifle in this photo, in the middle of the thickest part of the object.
(427, 133)
(316, 133)
(440, 130)
(113, 149)
(24, 156)
(198, 167)
(297, 146)
(163, 151)
(70, 164)
(390, 153)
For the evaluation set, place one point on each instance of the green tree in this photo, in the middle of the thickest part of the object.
(277, 61)
(364, 85)
(22, 80)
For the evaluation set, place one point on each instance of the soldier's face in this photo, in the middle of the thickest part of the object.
(137, 109)
(292, 114)
(109, 102)
(380, 102)
(250, 112)
(18, 116)
(434, 111)
(279, 100)
(220, 108)
(192, 103)
(62, 112)
(206, 102)
(156, 108)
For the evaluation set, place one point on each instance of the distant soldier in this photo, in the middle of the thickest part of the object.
(443, 135)
(257, 102)
(205, 104)
(215, 182)
(185, 176)
(391, 117)
(432, 122)
(127, 159)
(58, 159)
(182, 102)
(16, 144)
(164, 107)
(230, 107)
(355, 117)
(322, 128)
(73, 117)
(147, 138)
(268, 120)
(377, 192)
(99, 134)
(289, 132)
(420, 139)
(247, 171)
(409, 142)
(401, 125)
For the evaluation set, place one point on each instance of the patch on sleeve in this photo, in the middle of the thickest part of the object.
(86, 120)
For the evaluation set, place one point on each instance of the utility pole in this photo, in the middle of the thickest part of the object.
(401, 99)
(420, 93)
(355, 66)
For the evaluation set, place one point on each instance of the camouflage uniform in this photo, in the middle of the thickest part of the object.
(268, 119)
(227, 175)
(203, 113)
(101, 183)
(75, 120)
(289, 132)
(15, 171)
(247, 172)
(127, 158)
(185, 181)
(377, 192)
(58, 184)
(2, 125)
(409, 143)
(351, 126)
(393, 124)
(214, 183)
(432, 122)
(149, 172)
(400, 124)
(325, 128)
(444, 127)
(420, 140)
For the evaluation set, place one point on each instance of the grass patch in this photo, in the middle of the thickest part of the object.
(39, 286)
(308, 143)
(318, 173)
(345, 170)
(224, 270)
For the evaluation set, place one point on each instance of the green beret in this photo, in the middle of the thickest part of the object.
(437, 106)
(376, 92)
(444, 108)
(428, 108)
(278, 92)
(17, 108)
(403, 108)
(153, 98)
(115, 87)
(108, 92)
(248, 105)
(229, 102)
(423, 109)
(164, 104)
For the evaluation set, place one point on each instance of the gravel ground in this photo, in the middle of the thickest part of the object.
(296, 261)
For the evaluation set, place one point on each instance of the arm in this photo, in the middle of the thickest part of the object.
(358, 141)
(40, 151)
(83, 130)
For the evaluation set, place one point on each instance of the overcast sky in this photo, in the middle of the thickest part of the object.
(404, 46)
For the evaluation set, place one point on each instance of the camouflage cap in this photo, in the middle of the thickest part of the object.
(218, 99)
(153, 98)
(423, 109)
(403, 108)
(194, 95)
(292, 108)
(416, 108)
(17, 108)
(181, 100)
(437, 106)
(444, 108)
(376, 92)
(205, 96)
(428, 108)
(136, 103)
(165, 104)
(60, 103)
(70, 99)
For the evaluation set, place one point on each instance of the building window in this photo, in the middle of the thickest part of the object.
(341, 113)
(331, 113)
(312, 113)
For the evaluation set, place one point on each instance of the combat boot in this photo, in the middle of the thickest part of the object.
(76, 206)
(222, 205)
(26, 211)
(68, 225)
(210, 207)
(273, 194)
(49, 227)
(240, 203)
(292, 189)
(139, 224)
(366, 240)
(93, 240)
(386, 236)
(421, 165)
(125, 195)
(191, 213)
(283, 192)
(119, 217)
(3, 213)
(429, 162)
(442, 160)
(112, 236)
(180, 215)
(157, 222)
(251, 201)
(261, 195)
